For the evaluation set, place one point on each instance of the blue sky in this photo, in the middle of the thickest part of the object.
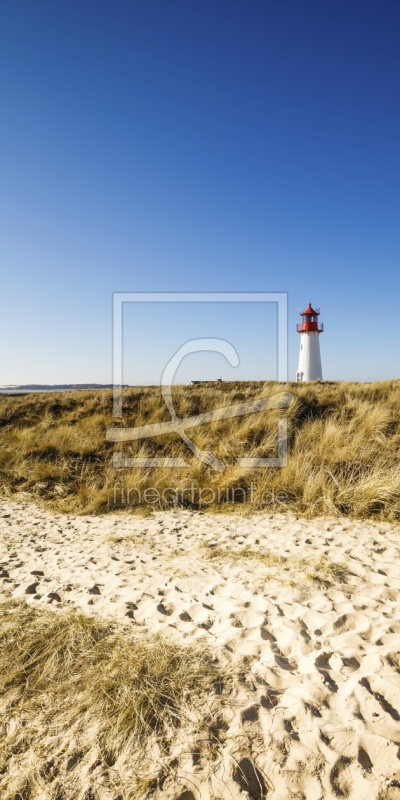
(179, 145)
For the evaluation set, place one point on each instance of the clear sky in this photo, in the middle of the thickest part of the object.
(196, 145)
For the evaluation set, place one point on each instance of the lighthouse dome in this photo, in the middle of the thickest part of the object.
(309, 310)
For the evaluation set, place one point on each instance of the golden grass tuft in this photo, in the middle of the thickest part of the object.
(122, 697)
(321, 571)
(327, 573)
(266, 558)
(343, 445)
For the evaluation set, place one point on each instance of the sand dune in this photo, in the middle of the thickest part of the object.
(312, 630)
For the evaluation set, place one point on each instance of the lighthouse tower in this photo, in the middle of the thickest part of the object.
(310, 368)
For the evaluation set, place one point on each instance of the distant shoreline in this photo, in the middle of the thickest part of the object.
(62, 387)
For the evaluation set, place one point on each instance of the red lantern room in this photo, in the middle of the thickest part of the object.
(310, 321)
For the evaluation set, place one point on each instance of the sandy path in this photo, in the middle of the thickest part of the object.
(321, 690)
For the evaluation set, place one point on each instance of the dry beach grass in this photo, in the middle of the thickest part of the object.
(121, 696)
(343, 445)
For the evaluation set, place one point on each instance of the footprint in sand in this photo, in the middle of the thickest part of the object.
(271, 698)
(323, 666)
(350, 663)
(250, 779)
(165, 609)
(393, 660)
(314, 711)
(325, 739)
(364, 760)
(384, 704)
(31, 589)
(265, 634)
(338, 777)
(281, 660)
(250, 714)
(288, 725)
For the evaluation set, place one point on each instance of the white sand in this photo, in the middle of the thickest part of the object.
(318, 706)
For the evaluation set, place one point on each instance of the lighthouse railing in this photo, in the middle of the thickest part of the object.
(310, 326)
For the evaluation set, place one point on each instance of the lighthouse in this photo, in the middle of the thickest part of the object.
(309, 328)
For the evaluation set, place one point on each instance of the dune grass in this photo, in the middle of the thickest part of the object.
(122, 697)
(343, 445)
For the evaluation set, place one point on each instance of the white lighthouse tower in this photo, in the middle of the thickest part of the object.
(310, 368)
